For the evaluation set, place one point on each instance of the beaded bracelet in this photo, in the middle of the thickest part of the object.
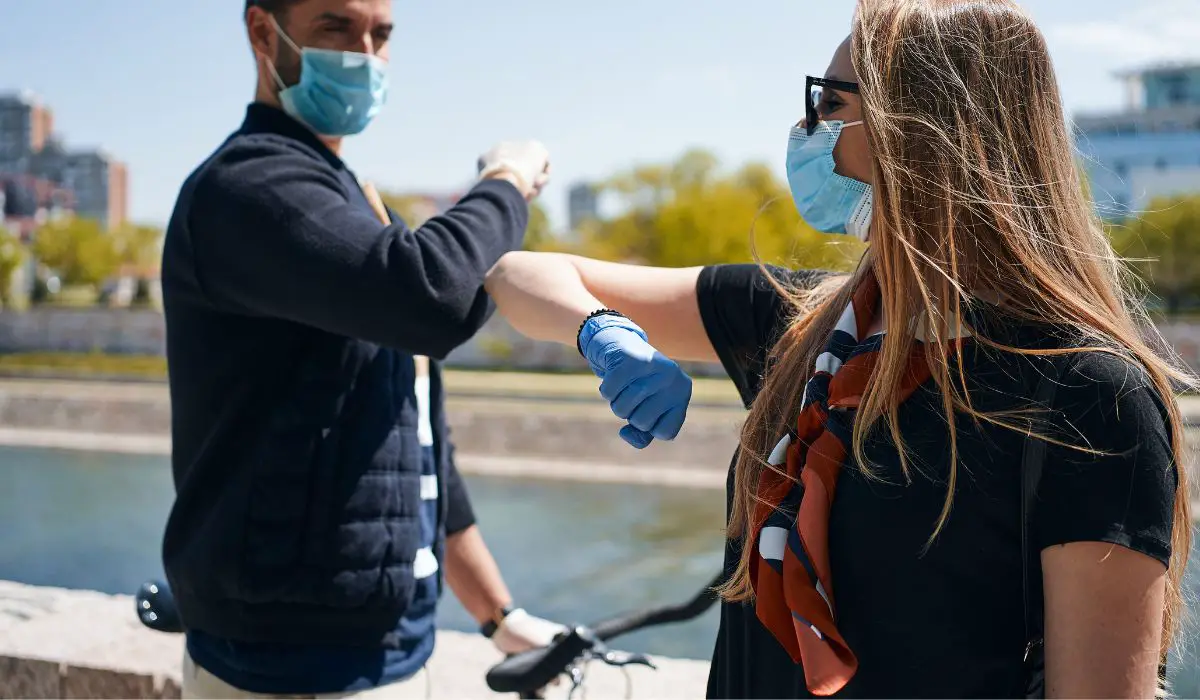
(594, 314)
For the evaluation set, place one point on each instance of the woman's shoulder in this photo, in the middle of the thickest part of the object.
(1086, 375)
(1109, 399)
(1108, 372)
(745, 308)
(1111, 475)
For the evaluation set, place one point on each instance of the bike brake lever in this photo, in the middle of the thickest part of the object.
(613, 657)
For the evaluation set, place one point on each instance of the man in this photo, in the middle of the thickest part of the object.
(318, 507)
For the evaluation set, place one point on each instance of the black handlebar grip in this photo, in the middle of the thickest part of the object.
(535, 669)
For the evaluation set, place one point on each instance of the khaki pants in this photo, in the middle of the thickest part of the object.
(199, 684)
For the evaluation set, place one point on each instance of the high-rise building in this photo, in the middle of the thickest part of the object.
(583, 205)
(98, 183)
(1149, 149)
(25, 126)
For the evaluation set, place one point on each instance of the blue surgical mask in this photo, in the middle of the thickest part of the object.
(829, 202)
(339, 92)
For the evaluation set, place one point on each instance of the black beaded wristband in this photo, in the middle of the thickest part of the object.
(594, 314)
(488, 629)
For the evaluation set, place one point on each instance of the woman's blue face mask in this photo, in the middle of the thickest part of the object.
(829, 202)
(339, 92)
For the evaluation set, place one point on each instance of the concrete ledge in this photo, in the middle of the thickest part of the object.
(654, 473)
(57, 643)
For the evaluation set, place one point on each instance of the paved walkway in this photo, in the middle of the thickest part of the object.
(96, 648)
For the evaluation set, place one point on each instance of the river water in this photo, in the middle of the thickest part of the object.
(573, 552)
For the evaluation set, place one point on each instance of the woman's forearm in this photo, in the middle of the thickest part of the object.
(541, 294)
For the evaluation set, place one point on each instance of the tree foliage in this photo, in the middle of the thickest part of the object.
(417, 209)
(79, 250)
(139, 248)
(414, 209)
(690, 213)
(1164, 248)
(12, 257)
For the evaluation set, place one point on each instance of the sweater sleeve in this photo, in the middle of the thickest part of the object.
(276, 235)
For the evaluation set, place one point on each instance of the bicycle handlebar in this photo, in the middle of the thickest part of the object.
(663, 615)
(532, 670)
(536, 668)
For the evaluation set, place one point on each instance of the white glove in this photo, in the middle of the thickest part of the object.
(527, 161)
(519, 631)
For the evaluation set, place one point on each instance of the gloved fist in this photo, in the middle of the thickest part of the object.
(642, 385)
(528, 162)
(519, 631)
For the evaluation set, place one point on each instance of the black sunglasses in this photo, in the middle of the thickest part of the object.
(814, 89)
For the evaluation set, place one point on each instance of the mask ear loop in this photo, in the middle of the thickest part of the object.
(271, 64)
(847, 125)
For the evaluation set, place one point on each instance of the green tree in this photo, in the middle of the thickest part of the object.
(79, 250)
(1164, 248)
(416, 210)
(12, 257)
(138, 248)
(689, 213)
(539, 234)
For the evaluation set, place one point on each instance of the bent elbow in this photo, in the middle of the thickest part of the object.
(461, 317)
(506, 266)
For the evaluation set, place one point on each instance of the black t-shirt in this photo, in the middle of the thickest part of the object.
(948, 622)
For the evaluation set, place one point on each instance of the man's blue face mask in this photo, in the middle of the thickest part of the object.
(339, 92)
(829, 202)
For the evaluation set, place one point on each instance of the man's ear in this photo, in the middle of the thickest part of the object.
(261, 32)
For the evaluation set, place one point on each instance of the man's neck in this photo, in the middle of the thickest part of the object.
(333, 143)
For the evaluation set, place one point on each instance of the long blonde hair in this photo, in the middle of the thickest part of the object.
(976, 187)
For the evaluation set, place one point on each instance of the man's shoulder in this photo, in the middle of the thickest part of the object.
(257, 143)
(245, 154)
(249, 163)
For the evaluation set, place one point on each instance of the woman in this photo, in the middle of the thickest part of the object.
(850, 493)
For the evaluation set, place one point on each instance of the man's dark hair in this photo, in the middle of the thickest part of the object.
(275, 7)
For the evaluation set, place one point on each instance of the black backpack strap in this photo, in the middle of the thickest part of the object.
(1031, 475)
(1032, 461)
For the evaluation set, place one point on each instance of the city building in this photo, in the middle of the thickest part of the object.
(25, 126)
(29, 202)
(97, 182)
(1149, 149)
(583, 205)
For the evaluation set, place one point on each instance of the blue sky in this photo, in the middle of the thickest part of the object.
(604, 84)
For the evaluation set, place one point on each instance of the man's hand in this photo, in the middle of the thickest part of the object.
(519, 631)
(642, 385)
(526, 164)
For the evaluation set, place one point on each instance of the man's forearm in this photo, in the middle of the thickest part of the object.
(541, 295)
(474, 577)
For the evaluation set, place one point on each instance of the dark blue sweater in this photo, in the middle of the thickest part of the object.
(292, 317)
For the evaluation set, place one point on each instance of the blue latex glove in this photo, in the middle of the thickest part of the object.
(642, 385)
